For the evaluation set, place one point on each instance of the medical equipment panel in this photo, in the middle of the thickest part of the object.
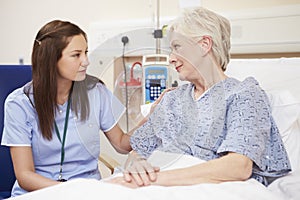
(155, 76)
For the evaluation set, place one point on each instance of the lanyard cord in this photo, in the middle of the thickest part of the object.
(62, 157)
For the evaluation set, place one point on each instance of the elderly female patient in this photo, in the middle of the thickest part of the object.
(216, 118)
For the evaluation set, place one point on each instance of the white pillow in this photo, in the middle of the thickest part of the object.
(286, 113)
(285, 109)
(271, 73)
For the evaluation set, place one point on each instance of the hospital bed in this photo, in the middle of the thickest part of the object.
(280, 77)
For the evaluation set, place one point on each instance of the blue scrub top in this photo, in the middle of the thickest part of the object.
(82, 145)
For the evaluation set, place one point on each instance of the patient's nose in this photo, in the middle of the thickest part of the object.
(172, 59)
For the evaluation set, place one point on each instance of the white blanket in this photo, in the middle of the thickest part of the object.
(93, 189)
(287, 187)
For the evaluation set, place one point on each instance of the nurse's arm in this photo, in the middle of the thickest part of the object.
(25, 172)
(119, 140)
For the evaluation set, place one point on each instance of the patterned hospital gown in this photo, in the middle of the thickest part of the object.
(231, 116)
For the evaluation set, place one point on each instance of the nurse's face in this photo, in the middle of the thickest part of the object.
(74, 61)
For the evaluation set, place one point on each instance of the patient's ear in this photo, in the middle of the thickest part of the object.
(205, 44)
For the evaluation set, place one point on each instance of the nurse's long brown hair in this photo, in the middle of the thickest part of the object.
(49, 43)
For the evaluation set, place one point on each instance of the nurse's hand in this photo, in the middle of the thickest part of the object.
(154, 104)
(140, 171)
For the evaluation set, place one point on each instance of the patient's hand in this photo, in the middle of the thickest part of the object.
(121, 181)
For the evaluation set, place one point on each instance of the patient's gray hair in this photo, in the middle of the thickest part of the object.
(199, 21)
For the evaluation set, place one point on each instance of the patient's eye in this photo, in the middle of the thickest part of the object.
(175, 47)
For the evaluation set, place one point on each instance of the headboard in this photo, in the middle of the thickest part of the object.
(265, 55)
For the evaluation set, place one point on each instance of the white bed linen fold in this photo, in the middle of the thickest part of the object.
(287, 187)
(93, 189)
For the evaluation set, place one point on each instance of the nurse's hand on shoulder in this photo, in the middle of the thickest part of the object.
(154, 104)
(157, 101)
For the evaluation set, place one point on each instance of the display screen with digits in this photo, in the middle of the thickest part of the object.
(156, 71)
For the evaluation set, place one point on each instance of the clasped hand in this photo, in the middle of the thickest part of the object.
(137, 172)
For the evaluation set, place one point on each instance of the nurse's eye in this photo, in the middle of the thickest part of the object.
(76, 55)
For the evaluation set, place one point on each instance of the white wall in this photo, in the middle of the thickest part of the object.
(20, 20)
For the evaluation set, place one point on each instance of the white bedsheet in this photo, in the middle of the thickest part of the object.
(246, 190)
(92, 189)
(287, 187)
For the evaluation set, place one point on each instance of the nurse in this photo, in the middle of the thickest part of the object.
(52, 123)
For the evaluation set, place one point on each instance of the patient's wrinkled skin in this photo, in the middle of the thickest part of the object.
(120, 181)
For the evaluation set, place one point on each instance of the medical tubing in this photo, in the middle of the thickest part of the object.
(125, 41)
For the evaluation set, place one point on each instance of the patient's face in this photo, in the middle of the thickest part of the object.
(185, 56)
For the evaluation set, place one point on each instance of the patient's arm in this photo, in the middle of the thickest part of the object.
(231, 167)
